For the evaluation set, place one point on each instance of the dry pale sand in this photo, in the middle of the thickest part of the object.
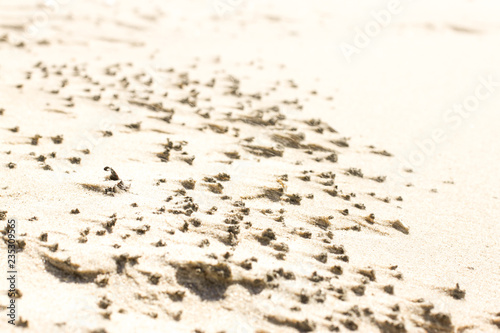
(220, 166)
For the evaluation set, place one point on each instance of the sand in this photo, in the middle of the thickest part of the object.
(222, 166)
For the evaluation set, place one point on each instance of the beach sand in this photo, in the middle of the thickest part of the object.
(222, 166)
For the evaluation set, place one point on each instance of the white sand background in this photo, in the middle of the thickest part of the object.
(392, 94)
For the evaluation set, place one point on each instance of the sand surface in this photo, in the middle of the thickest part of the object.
(222, 166)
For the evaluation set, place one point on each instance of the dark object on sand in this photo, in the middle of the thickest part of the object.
(114, 175)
